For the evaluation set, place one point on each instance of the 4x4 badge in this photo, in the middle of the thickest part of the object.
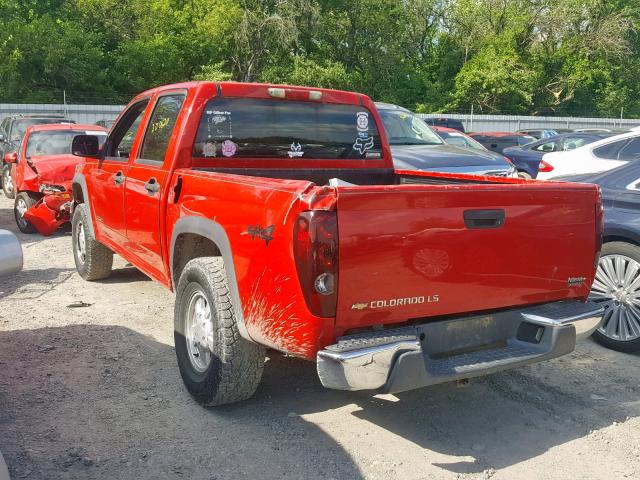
(265, 234)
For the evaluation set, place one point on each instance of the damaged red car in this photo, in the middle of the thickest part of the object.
(43, 169)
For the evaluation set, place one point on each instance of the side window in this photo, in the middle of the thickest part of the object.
(571, 143)
(163, 120)
(610, 151)
(546, 147)
(124, 132)
(631, 151)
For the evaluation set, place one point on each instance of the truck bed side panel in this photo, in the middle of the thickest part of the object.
(251, 210)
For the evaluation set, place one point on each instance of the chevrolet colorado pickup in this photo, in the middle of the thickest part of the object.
(276, 216)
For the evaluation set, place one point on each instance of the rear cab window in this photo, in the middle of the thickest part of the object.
(290, 130)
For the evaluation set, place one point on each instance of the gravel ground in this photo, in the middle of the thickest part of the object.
(94, 392)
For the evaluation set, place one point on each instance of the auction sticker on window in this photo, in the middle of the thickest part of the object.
(218, 124)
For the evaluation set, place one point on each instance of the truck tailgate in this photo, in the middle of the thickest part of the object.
(411, 251)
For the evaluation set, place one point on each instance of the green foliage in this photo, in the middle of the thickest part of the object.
(569, 57)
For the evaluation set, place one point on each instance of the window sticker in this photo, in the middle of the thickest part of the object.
(229, 148)
(296, 150)
(373, 155)
(218, 124)
(362, 145)
(362, 121)
(209, 149)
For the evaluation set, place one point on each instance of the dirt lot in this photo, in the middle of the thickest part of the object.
(94, 392)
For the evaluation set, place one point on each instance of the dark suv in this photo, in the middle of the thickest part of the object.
(12, 129)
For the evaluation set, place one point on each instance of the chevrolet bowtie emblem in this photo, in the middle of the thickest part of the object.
(359, 306)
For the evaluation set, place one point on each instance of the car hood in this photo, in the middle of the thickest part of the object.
(434, 157)
(55, 169)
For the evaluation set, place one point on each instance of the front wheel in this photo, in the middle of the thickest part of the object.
(24, 201)
(93, 260)
(217, 365)
(617, 288)
(7, 182)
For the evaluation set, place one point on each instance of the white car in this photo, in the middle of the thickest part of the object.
(595, 157)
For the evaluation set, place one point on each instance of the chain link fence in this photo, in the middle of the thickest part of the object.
(513, 123)
(80, 113)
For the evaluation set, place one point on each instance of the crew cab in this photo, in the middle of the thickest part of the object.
(42, 171)
(276, 216)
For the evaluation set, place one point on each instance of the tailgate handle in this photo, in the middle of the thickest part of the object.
(483, 218)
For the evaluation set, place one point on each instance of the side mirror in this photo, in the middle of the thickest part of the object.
(11, 157)
(85, 146)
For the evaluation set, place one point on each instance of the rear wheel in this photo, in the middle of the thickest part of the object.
(617, 288)
(24, 201)
(93, 260)
(217, 365)
(525, 175)
(7, 182)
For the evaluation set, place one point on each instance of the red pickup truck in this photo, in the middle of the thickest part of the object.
(276, 216)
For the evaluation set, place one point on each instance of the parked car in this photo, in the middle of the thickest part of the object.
(538, 133)
(617, 283)
(277, 216)
(42, 171)
(602, 130)
(105, 123)
(445, 122)
(600, 156)
(414, 146)
(12, 129)
(498, 141)
(527, 158)
(462, 140)
(10, 254)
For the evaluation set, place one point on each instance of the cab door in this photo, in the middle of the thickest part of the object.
(146, 183)
(106, 179)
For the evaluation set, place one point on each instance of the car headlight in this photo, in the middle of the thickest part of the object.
(46, 188)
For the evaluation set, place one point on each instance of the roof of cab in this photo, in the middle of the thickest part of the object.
(250, 88)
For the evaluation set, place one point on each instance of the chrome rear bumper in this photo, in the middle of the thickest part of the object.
(442, 351)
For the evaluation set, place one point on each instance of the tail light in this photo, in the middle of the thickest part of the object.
(599, 227)
(545, 167)
(315, 250)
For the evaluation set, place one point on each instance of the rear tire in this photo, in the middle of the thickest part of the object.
(524, 175)
(217, 365)
(620, 330)
(93, 260)
(24, 201)
(7, 182)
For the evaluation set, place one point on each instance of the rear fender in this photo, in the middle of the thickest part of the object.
(214, 232)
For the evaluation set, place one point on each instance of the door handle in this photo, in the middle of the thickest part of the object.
(152, 186)
(483, 218)
(118, 178)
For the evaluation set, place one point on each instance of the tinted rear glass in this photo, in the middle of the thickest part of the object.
(256, 128)
(56, 142)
